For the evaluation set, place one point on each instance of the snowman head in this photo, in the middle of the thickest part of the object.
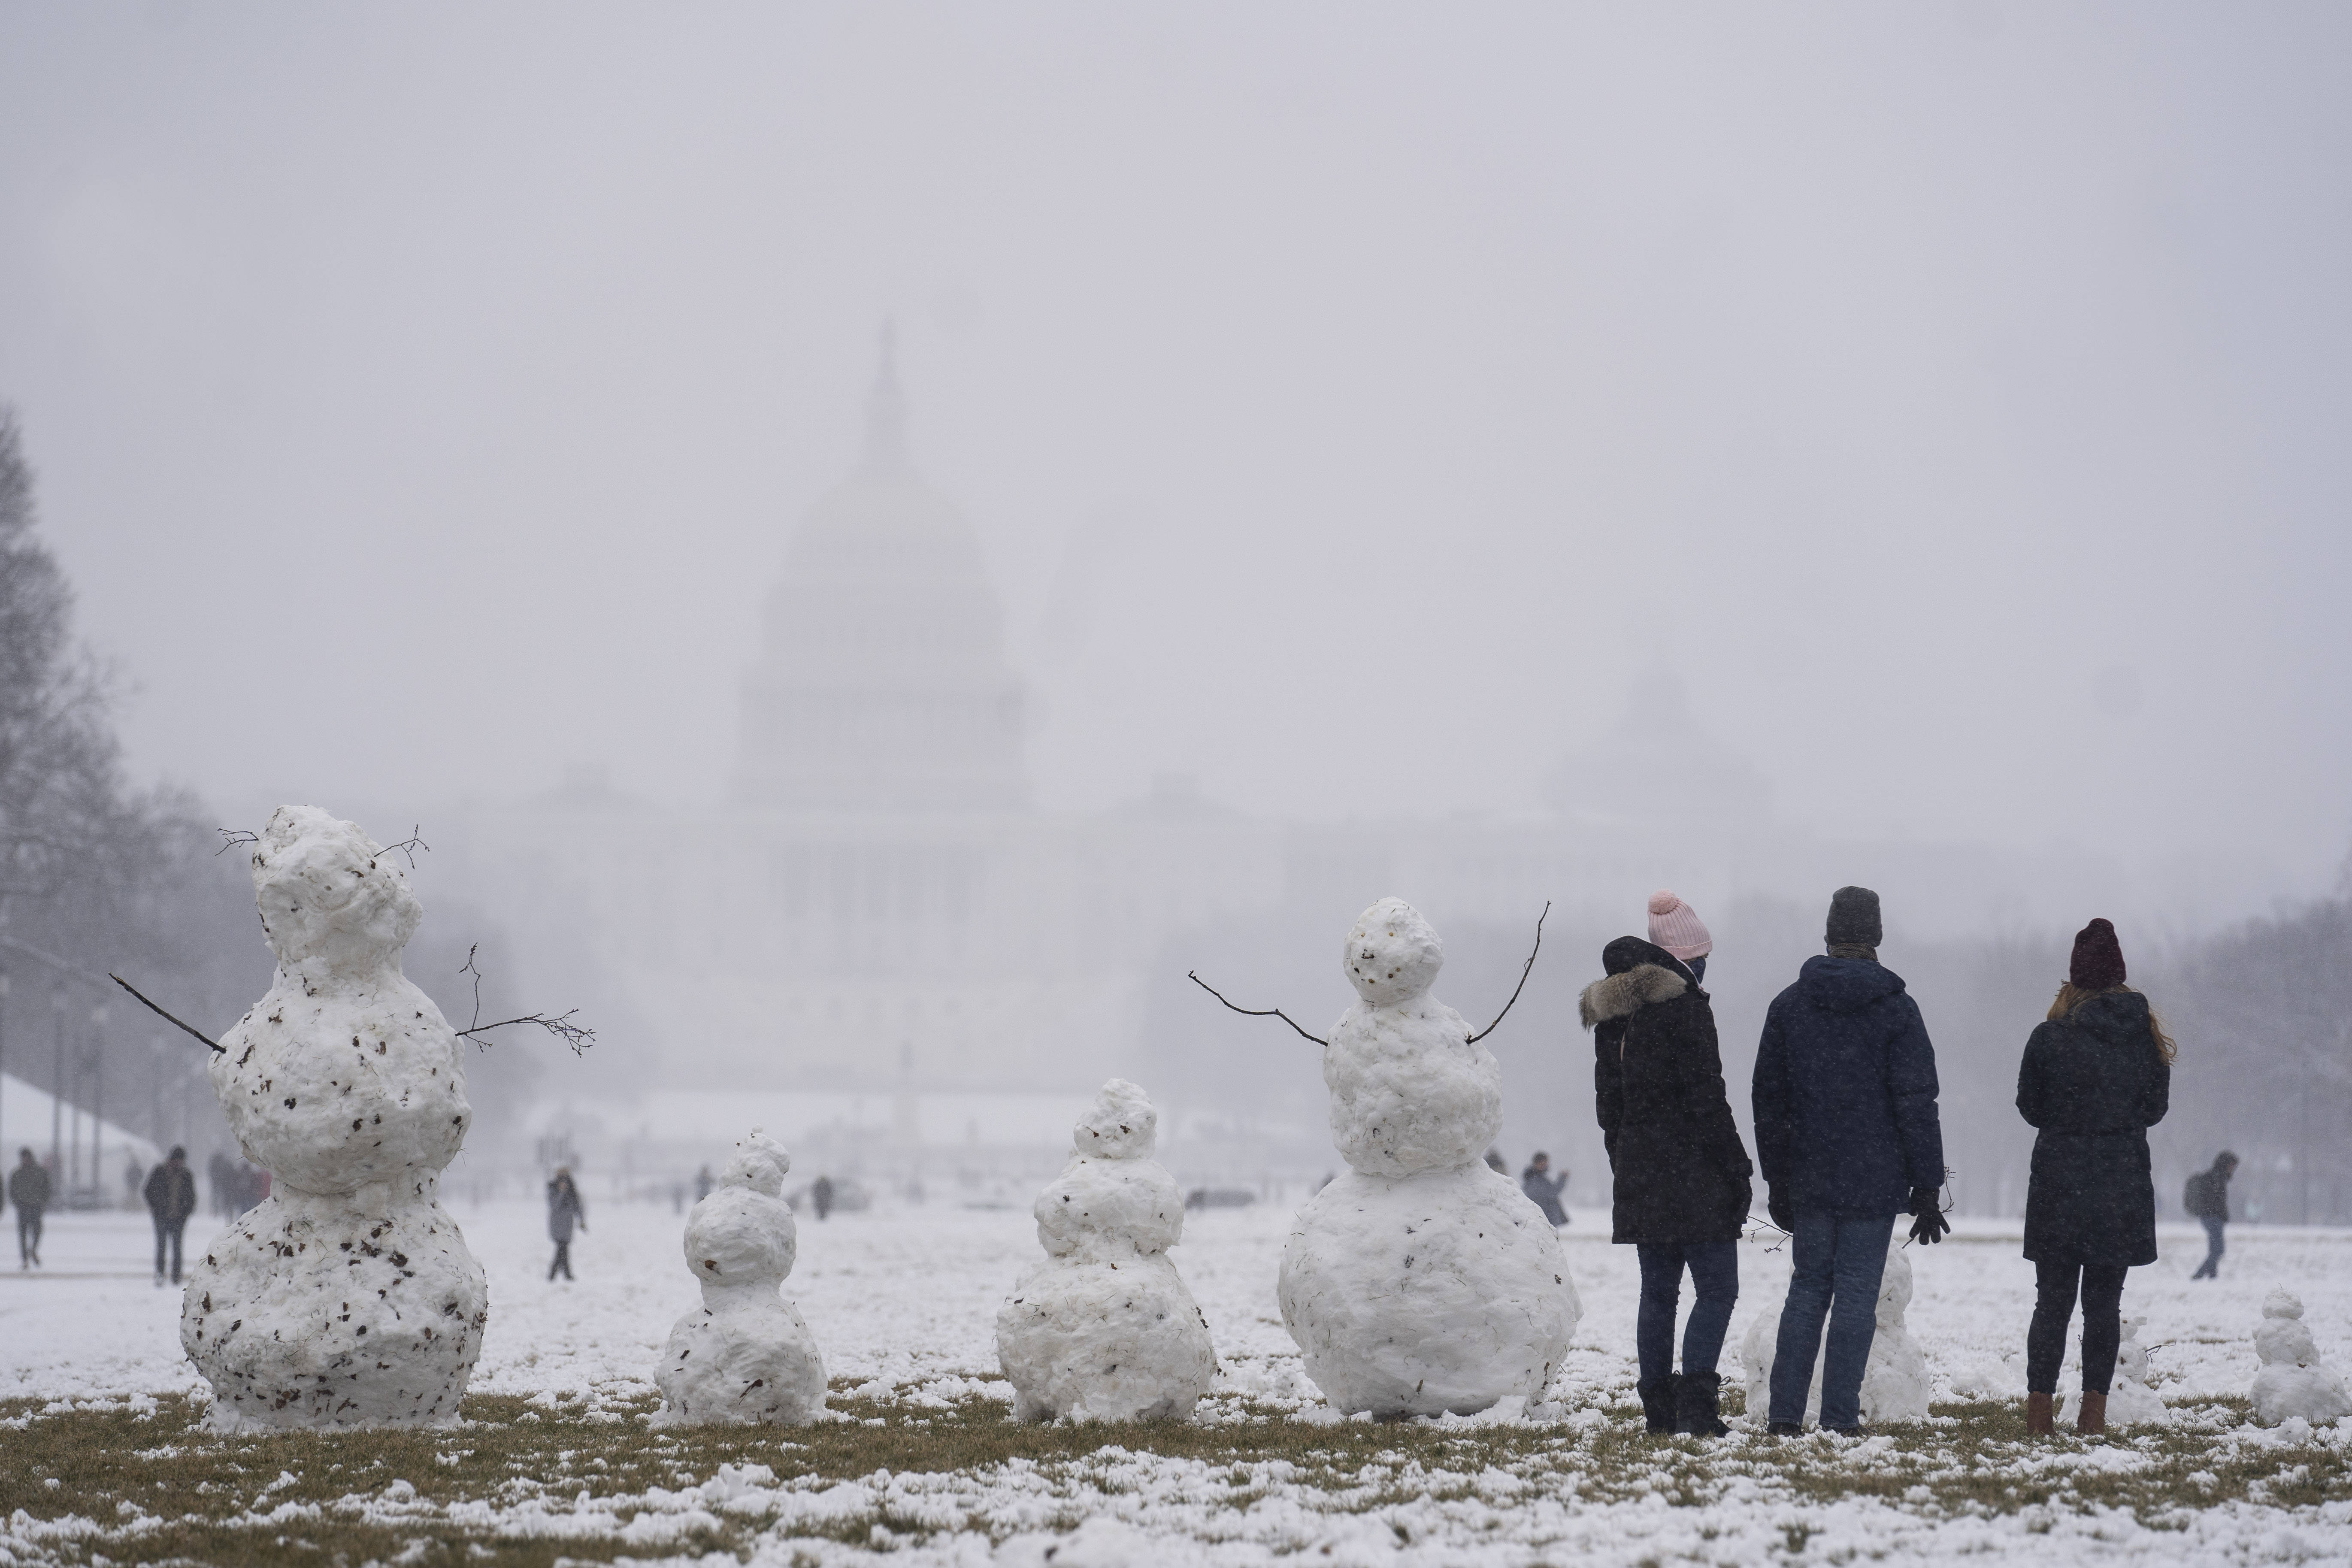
(1120, 1125)
(1392, 954)
(2282, 1303)
(758, 1162)
(329, 893)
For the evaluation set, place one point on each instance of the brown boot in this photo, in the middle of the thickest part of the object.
(2093, 1418)
(2039, 1422)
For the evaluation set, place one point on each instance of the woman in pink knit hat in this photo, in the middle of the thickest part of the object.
(1680, 1174)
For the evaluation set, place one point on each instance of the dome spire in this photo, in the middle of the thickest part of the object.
(886, 412)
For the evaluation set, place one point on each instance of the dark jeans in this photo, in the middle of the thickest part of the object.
(1838, 1264)
(2212, 1267)
(1715, 1283)
(28, 1236)
(2103, 1324)
(562, 1260)
(171, 1229)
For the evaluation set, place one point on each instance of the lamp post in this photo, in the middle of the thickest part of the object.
(58, 1091)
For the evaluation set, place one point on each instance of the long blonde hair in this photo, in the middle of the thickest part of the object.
(2071, 996)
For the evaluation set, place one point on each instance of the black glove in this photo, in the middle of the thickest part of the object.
(1928, 1222)
(1782, 1215)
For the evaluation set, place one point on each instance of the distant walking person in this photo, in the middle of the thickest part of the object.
(170, 1194)
(2207, 1196)
(2097, 1075)
(28, 1189)
(1847, 1134)
(1680, 1188)
(564, 1210)
(821, 1194)
(1543, 1188)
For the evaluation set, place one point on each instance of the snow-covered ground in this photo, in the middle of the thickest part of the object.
(903, 1302)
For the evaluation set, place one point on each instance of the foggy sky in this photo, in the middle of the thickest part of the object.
(1354, 402)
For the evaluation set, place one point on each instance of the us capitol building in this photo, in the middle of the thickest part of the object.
(879, 928)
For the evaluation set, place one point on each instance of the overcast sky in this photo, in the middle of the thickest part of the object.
(1354, 401)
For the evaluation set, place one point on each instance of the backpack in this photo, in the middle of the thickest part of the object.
(2197, 1196)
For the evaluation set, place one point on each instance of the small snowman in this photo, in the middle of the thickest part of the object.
(744, 1355)
(347, 1298)
(1894, 1384)
(1104, 1330)
(1421, 1280)
(2130, 1401)
(2294, 1382)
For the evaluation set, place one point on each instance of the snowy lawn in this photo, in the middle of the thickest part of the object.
(98, 1458)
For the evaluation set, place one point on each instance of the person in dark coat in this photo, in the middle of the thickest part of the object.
(2097, 1075)
(1847, 1134)
(1542, 1188)
(170, 1194)
(28, 1189)
(2206, 1198)
(821, 1194)
(564, 1210)
(1680, 1187)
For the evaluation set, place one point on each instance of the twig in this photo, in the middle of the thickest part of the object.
(167, 1017)
(1253, 1011)
(579, 1036)
(409, 846)
(232, 837)
(1522, 985)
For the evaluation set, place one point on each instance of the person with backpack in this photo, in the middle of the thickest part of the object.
(1847, 1134)
(2096, 1076)
(1680, 1187)
(2207, 1196)
(170, 1194)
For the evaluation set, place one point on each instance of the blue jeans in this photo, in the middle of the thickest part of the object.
(1715, 1282)
(1838, 1264)
(2212, 1267)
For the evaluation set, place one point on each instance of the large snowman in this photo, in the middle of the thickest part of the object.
(1420, 1280)
(1104, 1328)
(346, 1298)
(744, 1355)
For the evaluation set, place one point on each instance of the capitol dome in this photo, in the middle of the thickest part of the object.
(882, 682)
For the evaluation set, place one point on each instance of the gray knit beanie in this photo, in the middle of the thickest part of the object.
(1854, 918)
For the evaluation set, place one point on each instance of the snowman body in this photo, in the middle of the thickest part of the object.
(1894, 1383)
(1420, 1280)
(744, 1355)
(2130, 1401)
(2294, 1380)
(1105, 1328)
(347, 1298)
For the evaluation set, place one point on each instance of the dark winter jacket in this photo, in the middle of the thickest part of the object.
(171, 1193)
(1680, 1169)
(2207, 1194)
(564, 1210)
(2094, 1083)
(28, 1187)
(1845, 1092)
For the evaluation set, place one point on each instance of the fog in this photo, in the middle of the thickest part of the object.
(1363, 414)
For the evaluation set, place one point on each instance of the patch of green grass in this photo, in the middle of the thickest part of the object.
(157, 1488)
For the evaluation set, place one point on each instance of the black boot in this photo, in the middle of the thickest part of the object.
(1696, 1411)
(1658, 1402)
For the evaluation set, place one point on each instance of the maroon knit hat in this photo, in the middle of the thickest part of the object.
(2098, 963)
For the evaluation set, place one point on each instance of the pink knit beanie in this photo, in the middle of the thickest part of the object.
(1675, 926)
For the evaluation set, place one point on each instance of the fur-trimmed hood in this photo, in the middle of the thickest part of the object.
(1619, 994)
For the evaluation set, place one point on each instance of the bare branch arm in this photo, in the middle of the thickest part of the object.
(1253, 1011)
(166, 1016)
(1524, 973)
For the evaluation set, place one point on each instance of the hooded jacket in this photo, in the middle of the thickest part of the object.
(171, 1193)
(1680, 1174)
(2093, 1082)
(1845, 1092)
